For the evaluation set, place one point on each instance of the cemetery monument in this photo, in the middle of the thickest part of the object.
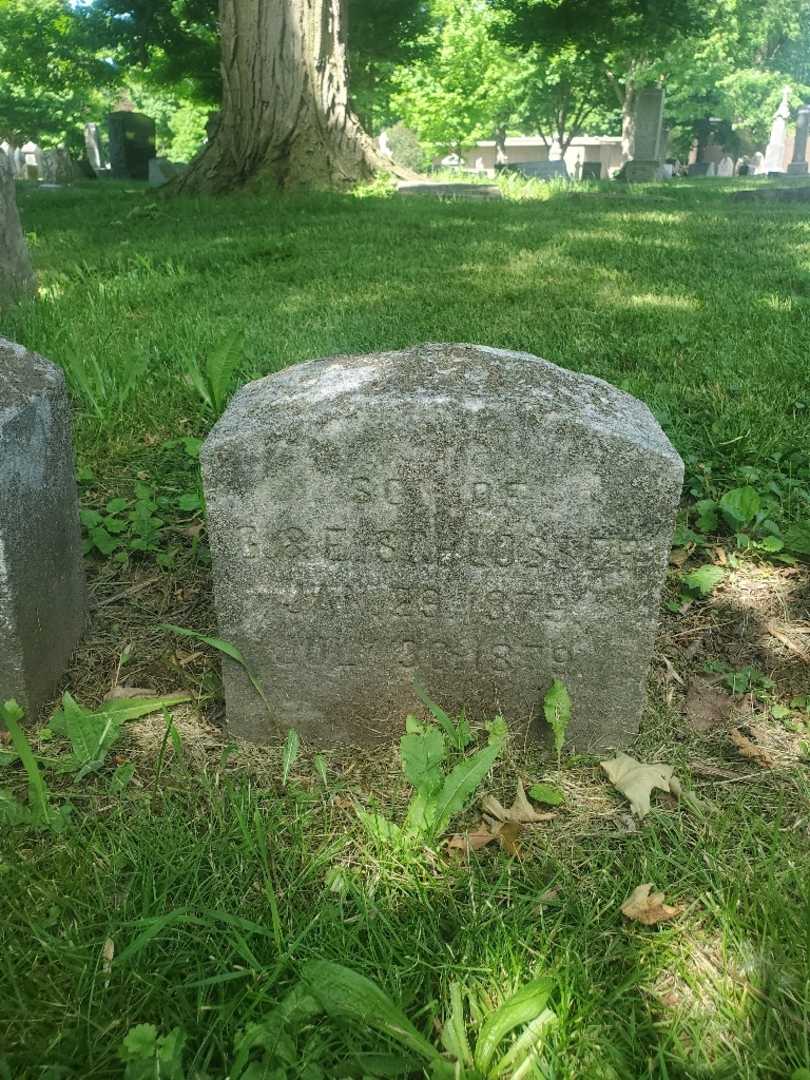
(131, 144)
(16, 275)
(42, 593)
(798, 166)
(648, 142)
(477, 519)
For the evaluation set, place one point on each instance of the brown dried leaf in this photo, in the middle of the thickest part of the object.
(706, 706)
(128, 692)
(678, 556)
(636, 780)
(107, 954)
(508, 836)
(750, 750)
(672, 674)
(648, 907)
(779, 633)
(472, 841)
(521, 810)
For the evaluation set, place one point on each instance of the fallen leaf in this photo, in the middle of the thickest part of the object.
(472, 841)
(107, 954)
(118, 692)
(779, 633)
(520, 811)
(706, 706)
(648, 907)
(636, 781)
(750, 750)
(678, 556)
(508, 835)
(5, 737)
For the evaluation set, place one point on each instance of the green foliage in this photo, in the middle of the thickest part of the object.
(557, 712)
(213, 378)
(93, 732)
(743, 680)
(149, 1056)
(292, 745)
(438, 795)
(703, 581)
(547, 794)
(51, 78)
(39, 813)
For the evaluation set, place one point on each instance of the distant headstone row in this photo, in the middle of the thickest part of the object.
(478, 520)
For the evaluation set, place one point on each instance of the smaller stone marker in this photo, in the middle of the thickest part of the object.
(42, 593)
(479, 519)
(591, 170)
(775, 150)
(16, 275)
(451, 190)
(131, 144)
(647, 148)
(161, 170)
(799, 166)
(540, 170)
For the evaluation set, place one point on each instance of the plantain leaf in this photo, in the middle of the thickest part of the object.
(461, 783)
(292, 745)
(346, 995)
(557, 711)
(523, 1007)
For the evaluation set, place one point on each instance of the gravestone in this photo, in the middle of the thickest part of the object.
(42, 595)
(647, 143)
(480, 519)
(775, 150)
(32, 156)
(161, 170)
(540, 170)
(699, 168)
(16, 275)
(131, 144)
(452, 190)
(798, 166)
(725, 167)
(591, 170)
(92, 144)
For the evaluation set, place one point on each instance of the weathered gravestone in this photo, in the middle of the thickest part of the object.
(131, 144)
(799, 166)
(42, 595)
(540, 170)
(648, 137)
(16, 275)
(480, 519)
(775, 150)
(591, 170)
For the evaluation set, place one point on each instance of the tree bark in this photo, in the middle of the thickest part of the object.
(285, 108)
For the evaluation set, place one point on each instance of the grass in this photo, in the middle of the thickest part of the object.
(213, 880)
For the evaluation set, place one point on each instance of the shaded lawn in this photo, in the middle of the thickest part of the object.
(695, 304)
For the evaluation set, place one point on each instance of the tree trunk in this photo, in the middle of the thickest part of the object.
(16, 275)
(629, 119)
(285, 111)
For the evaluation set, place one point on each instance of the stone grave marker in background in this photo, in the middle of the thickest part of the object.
(479, 519)
(540, 170)
(799, 166)
(42, 594)
(161, 170)
(16, 275)
(647, 146)
(95, 153)
(725, 166)
(775, 150)
(591, 170)
(131, 144)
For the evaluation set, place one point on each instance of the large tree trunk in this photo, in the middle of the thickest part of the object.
(285, 111)
(16, 275)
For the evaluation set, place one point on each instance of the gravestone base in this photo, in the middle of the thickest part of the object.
(450, 190)
(480, 520)
(641, 172)
(42, 593)
(798, 168)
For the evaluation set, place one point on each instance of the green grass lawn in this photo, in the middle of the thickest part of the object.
(195, 897)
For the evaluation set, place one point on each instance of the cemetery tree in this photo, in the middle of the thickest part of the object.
(469, 86)
(50, 75)
(620, 39)
(285, 117)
